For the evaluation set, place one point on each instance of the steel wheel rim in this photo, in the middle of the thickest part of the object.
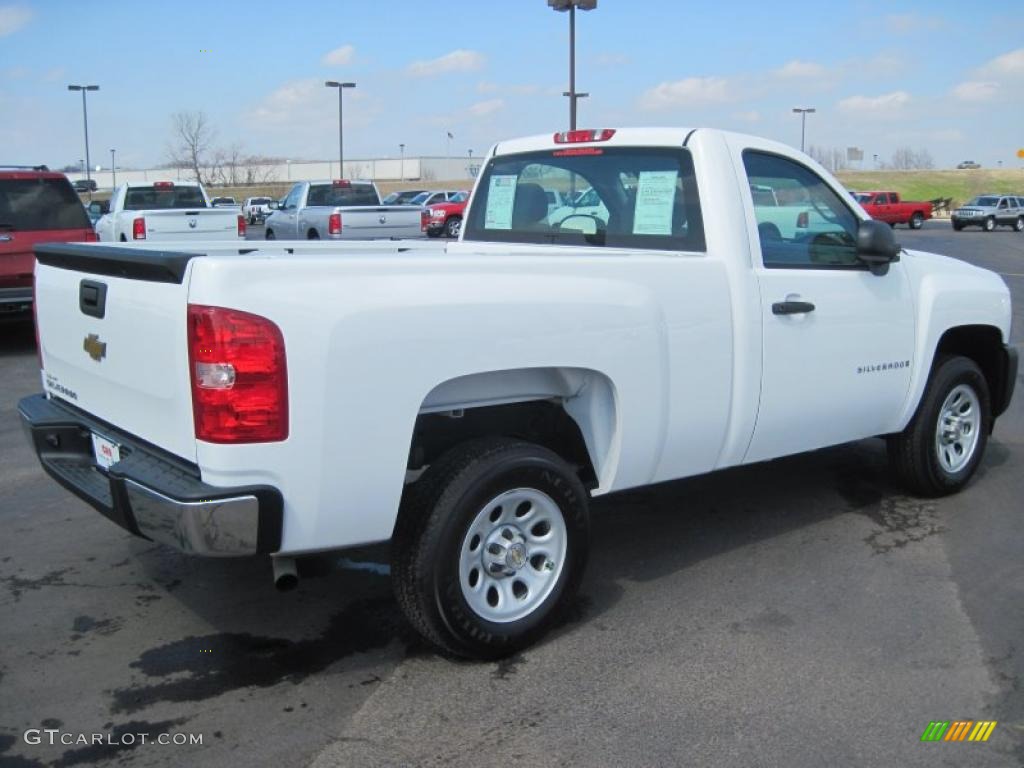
(958, 428)
(454, 227)
(512, 555)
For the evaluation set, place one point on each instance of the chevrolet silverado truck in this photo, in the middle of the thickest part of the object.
(166, 210)
(888, 207)
(341, 210)
(465, 400)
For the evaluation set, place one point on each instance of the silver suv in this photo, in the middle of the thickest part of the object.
(990, 211)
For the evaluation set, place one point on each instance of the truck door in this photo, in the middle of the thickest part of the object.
(290, 213)
(838, 341)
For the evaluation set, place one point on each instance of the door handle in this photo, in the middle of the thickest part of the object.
(792, 307)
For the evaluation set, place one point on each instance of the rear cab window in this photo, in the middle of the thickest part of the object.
(40, 204)
(338, 195)
(616, 197)
(157, 198)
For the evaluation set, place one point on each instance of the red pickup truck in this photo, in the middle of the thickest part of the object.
(446, 218)
(887, 207)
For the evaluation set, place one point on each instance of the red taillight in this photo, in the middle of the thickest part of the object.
(424, 220)
(241, 226)
(139, 229)
(581, 136)
(334, 224)
(239, 376)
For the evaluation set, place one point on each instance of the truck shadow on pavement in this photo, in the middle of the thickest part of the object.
(17, 335)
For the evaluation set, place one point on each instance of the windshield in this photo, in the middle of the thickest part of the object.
(984, 202)
(632, 198)
(163, 198)
(40, 204)
(458, 197)
(259, 201)
(420, 199)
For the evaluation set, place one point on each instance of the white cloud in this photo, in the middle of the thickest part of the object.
(884, 105)
(687, 92)
(976, 90)
(1011, 63)
(797, 68)
(339, 57)
(484, 108)
(13, 18)
(456, 61)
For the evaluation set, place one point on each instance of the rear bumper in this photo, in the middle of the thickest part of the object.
(15, 299)
(148, 492)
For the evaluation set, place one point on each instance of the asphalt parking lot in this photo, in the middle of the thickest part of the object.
(800, 612)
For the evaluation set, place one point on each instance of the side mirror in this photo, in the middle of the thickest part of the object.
(273, 205)
(876, 246)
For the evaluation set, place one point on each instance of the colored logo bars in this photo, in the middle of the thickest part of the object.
(958, 730)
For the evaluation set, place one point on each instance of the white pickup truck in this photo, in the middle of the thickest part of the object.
(342, 210)
(466, 400)
(167, 210)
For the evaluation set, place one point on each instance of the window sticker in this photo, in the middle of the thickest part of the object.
(655, 195)
(501, 196)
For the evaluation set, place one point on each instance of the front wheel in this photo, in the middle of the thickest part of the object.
(1018, 225)
(940, 449)
(490, 546)
(453, 226)
(990, 224)
(269, 235)
(957, 226)
(916, 221)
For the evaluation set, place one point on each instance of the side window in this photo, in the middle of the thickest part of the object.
(893, 198)
(810, 227)
(1002, 204)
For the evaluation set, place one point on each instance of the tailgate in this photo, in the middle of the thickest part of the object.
(385, 221)
(205, 223)
(113, 335)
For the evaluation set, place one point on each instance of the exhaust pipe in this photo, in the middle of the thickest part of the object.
(286, 577)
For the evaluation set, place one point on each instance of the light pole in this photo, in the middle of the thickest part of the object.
(113, 170)
(401, 167)
(571, 6)
(85, 119)
(341, 141)
(803, 112)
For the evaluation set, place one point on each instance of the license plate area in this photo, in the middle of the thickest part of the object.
(106, 452)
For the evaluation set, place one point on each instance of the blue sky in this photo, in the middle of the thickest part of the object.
(881, 75)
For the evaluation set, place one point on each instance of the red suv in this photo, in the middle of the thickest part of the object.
(36, 206)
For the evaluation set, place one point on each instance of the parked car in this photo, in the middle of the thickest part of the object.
(989, 212)
(446, 218)
(166, 210)
(466, 401)
(256, 209)
(224, 202)
(341, 209)
(36, 205)
(402, 197)
(96, 209)
(888, 207)
(85, 185)
(969, 165)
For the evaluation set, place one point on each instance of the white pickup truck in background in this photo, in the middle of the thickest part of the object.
(167, 210)
(342, 210)
(466, 400)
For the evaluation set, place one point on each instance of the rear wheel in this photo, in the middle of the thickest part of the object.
(312, 235)
(490, 546)
(269, 235)
(990, 224)
(1018, 225)
(940, 449)
(453, 226)
(917, 221)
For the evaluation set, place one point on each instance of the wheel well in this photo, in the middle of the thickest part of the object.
(984, 345)
(312, 234)
(544, 422)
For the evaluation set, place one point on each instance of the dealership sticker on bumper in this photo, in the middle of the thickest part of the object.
(107, 453)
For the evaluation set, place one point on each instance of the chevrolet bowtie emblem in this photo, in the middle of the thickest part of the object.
(192, 223)
(97, 349)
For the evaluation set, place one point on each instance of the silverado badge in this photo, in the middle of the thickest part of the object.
(97, 349)
(192, 223)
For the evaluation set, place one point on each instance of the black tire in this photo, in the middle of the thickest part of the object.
(433, 233)
(269, 235)
(435, 518)
(453, 226)
(312, 235)
(989, 225)
(957, 226)
(1018, 225)
(913, 453)
(252, 219)
(917, 220)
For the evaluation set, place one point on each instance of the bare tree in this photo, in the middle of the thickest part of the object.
(832, 158)
(259, 169)
(192, 142)
(906, 159)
